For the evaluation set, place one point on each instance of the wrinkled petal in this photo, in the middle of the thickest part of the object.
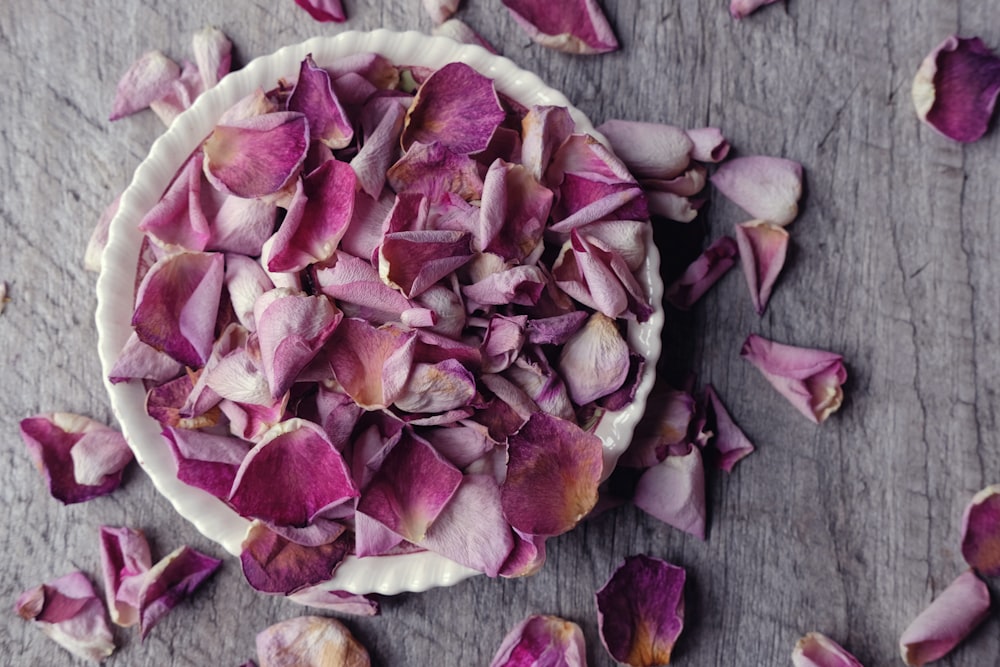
(553, 471)
(674, 492)
(555, 330)
(434, 170)
(313, 97)
(730, 441)
(542, 641)
(533, 374)
(956, 87)
(69, 612)
(140, 361)
(739, 9)
(810, 379)
(178, 219)
(413, 261)
(596, 276)
(170, 582)
(213, 54)
(240, 225)
(527, 558)
(274, 564)
(649, 150)
(371, 364)
(687, 184)
(456, 106)
(763, 247)
(233, 153)
(177, 303)
(578, 26)
(818, 650)
(513, 212)
(179, 95)
(768, 188)
(520, 284)
(381, 143)
(981, 532)
(702, 273)
(544, 129)
(205, 460)
(147, 79)
(949, 619)
(79, 457)
(440, 10)
(502, 342)
(359, 291)
(292, 475)
(594, 361)
(323, 10)
(310, 641)
(436, 388)
(709, 145)
(364, 233)
(338, 601)
(462, 33)
(98, 238)
(125, 560)
(640, 611)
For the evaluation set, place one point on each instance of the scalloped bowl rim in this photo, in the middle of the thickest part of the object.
(212, 517)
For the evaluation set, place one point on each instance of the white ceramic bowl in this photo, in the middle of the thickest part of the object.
(381, 574)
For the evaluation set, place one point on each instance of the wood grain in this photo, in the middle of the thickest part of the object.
(850, 528)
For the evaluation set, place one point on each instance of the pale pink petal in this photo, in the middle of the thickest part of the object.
(313, 96)
(674, 492)
(414, 261)
(69, 612)
(462, 445)
(245, 282)
(125, 559)
(544, 129)
(274, 564)
(981, 532)
(434, 170)
(240, 225)
(257, 103)
(382, 122)
(627, 238)
(663, 428)
(527, 558)
(99, 237)
(732, 444)
(702, 273)
(502, 342)
(364, 233)
(949, 619)
(768, 188)
(323, 10)
(448, 309)
(147, 79)
(371, 364)
(460, 31)
(708, 144)
(533, 374)
(739, 9)
(810, 379)
(179, 95)
(235, 154)
(170, 582)
(436, 388)
(542, 641)
(140, 361)
(338, 601)
(213, 54)
(818, 650)
(440, 10)
(555, 330)
(310, 641)
(649, 150)
(578, 26)
(520, 284)
(372, 538)
(594, 361)
(672, 206)
(763, 247)
(687, 184)
(513, 212)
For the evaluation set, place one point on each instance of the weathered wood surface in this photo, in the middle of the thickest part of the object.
(849, 528)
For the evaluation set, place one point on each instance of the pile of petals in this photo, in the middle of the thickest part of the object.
(398, 331)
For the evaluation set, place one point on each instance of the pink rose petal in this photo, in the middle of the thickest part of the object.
(708, 144)
(687, 184)
(239, 225)
(649, 150)
(818, 650)
(732, 444)
(99, 237)
(206, 460)
(169, 582)
(553, 471)
(578, 26)
(949, 619)
(79, 457)
(544, 129)
(213, 55)
(702, 273)
(69, 612)
(364, 233)
(274, 564)
(513, 212)
(672, 206)
(768, 188)
(739, 9)
(664, 428)
(178, 219)
(234, 152)
(437, 388)
(763, 247)
(440, 10)
(371, 364)
(338, 601)
(674, 492)
(310, 641)
(640, 611)
(359, 291)
(981, 532)
(594, 361)
(179, 95)
(146, 80)
(140, 361)
(810, 379)
(313, 96)
(956, 88)
(434, 170)
(414, 261)
(520, 284)
(533, 374)
(125, 560)
(542, 641)
(323, 10)
(382, 122)
(462, 33)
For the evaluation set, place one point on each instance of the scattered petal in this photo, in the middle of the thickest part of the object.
(440, 10)
(661, 431)
(169, 582)
(818, 650)
(672, 206)
(339, 601)
(739, 9)
(323, 10)
(542, 641)
(179, 95)
(674, 492)
(232, 153)
(981, 532)
(313, 97)
(708, 144)
(310, 641)
(140, 361)
(702, 273)
(649, 150)
(69, 612)
(949, 619)
(274, 564)
(576, 27)
(146, 80)
(731, 443)
(594, 361)
(763, 247)
(213, 52)
(462, 33)
(125, 560)
(768, 188)
(640, 611)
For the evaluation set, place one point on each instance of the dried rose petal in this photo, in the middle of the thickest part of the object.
(359, 291)
(521, 284)
(437, 388)
(414, 261)
(179, 94)
(544, 129)
(981, 532)
(594, 361)
(672, 206)
(206, 460)
(553, 471)
(732, 444)
(555, 330)
(818, 650)
(440, 10)
(513, 212)
(674, 492)
(382, 122)
(434, 170)
(949, 619)
(69, 612)
(213, 54)
(313, 97)
(810, 379)
(80, 458)
(140, 361)
(310, 641)
(542, 641)
(739, 9)
(768, 188)
(702, 273)
(371, 364)
(146, 80)
(125, 559)
(709, 144)
(575, 27)
(649, 150)
(98, 238)
(339, 601)
(640, 611)
(178, 219)
(956, 88)
(763, 247)
(233, 153)
(169, 582)
(462, 33)
(274, 564)
(324, 10)
(661, 431)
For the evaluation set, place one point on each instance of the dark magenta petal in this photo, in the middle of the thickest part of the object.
(661, 428)
(170, 582)
(956, 88)
(206, 460)
(702, 273)
(69, 612)
(981, 532)
(731, 443)
(338, 601)
(433, 170)
(146, 80)
(577, 26)
(310, 641)
(413, 261)
(371, 364)
(233, 153)
(273, 564)
(456, 106)
(553, 471)
(291, 476)
(674, 492)
(125, 559)
(313, 96)
(324, 10)
(763, 247)
(542, 641)
(140, 361)
(640, 611)
(80, 458)
(948, 620)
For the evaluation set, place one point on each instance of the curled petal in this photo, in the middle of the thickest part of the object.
(178, 219)
(672, 206)
(179, 95)
(245, 281)
(661, 430)
(553, 471)
(365, 232)
(731, 443)
(555, 330)
(544, 129)
(810, 379)
(708, 144)
(310, 641)
(502, 342)
(240, 225)
(339, 601)
(313, 96)
(702, 273)
(324, 10)
(233, 152)
(594, 360)
(437, 388)
(687, 184)
(125, 559)
(818, 650)
(527, 558)
(520, 284)
(674, 492)
(949, 619)
(578, 26)
(956, 87)
(213, 54)
(640, 611)
(146, 80)
(649, 150)
(513, 212)
(383, 123)
(274, 564)
(414, 261)
(80, 458)
(434, 170)
(169, 582)
(206, 460)
(460, 31)
(98, 238)
(739, 9)
(357, 288)
(371, 364)
(456, 106)
(768, 188)
(981, 532)
(763, 247)
(140, 361)
(541, 641)
(440, 10)
(69, 612)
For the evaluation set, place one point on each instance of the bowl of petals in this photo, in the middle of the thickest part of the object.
(379, 312)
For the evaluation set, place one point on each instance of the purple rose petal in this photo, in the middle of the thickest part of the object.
(674, 492)
(359, 291)
(140, 361)
(125, 560)
(640, 611)
(949, 619)
(146, 80)
(178, 219)
(578, 26)
(981, 532)
(520, 284)
(310, 641)
(513, 212)
(413, 261)
(768, 188)
(702, 273)
(274, 564)
(233, 153)
(818, 650)
(338, 601)
(323, 11)
(437, 388)
(544, 129)
(69, 612)
(434, 170)
(313, 97)
(732, 444)
(763, 247)
(206, 460)
(382, 122)
(542, 641)
(527, 558)
(664, 428)
(649, 150)
(169, 582)
(739, 9)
